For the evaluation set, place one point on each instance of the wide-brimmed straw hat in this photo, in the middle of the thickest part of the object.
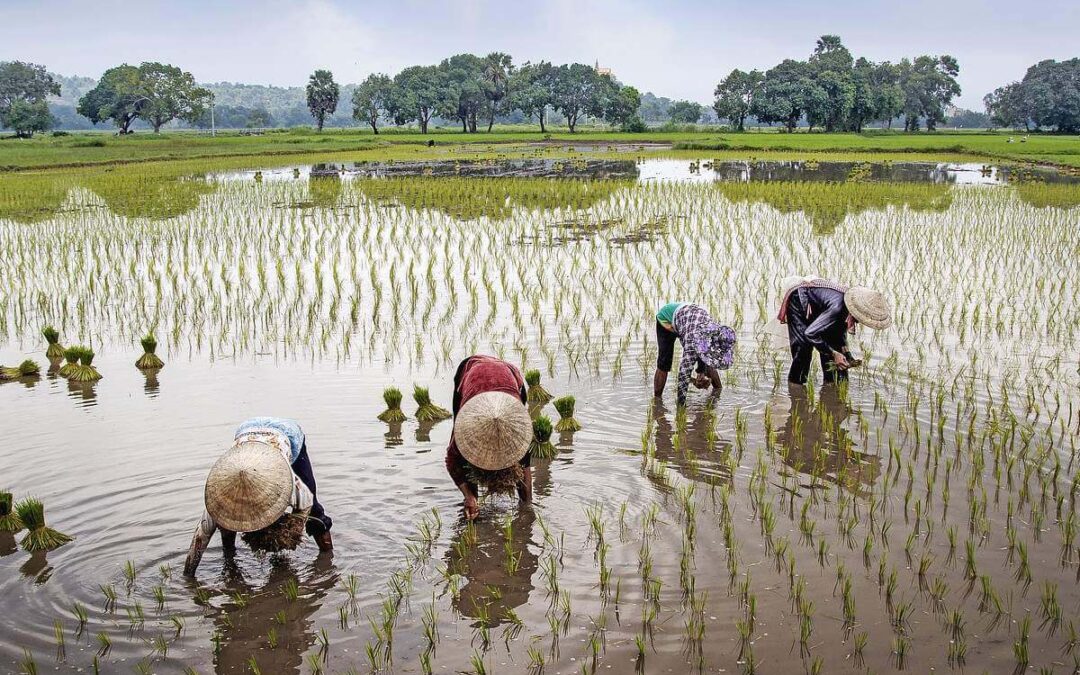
(869, 307)
(249, 487)
(493, 430)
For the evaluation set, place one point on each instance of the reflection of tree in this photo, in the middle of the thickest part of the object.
(469, 198)
(148, 193)
(480, 554)
(694, 450)
(826, 205)
(814, 440)
(244, 629)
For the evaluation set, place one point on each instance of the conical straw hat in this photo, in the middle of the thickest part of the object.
(868, 307)
(249, 487)
(493, 430)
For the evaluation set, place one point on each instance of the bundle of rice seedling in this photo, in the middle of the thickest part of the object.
(149, 359)
(428, 411)
(85, 371)
(393, 413)
(28, 368)
(503, 481)
(39, 536)
(541, 447)
(536, 392)
(71, 356)
(284, 534)
(565, 406)
(9, 519)
(52, 336)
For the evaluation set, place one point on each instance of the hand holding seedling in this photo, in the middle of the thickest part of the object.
(472, 509)
(840, 361)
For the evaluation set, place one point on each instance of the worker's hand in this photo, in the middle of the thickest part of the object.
(701, 381)
(472, 509)
(840, 360)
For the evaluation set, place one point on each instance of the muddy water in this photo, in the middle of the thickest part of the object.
(120, 464)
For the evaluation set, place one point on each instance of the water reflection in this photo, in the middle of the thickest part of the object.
(244, 630)
(814, 440)
(7, 543)
(482, 554)
(83, 392)
(37, 568)
(690, 445)
(393, 437)
(151, 384)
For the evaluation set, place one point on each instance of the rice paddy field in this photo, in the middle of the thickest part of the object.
(920, 518)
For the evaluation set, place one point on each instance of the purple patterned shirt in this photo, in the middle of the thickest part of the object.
(702, 338)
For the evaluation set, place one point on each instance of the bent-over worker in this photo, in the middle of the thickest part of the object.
(251, 486)
(492, 431)
(707, 347)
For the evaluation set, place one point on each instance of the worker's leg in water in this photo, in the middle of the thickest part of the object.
(665, 345)
(801, 357)
(319, 523)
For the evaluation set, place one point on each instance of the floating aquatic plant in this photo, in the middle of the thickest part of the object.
(565, 406)
(393, 413)
(428, 411)
(52, 336)
(9, 518)
(536, 393)
(39, 536)
(541, 446)
(149, 359)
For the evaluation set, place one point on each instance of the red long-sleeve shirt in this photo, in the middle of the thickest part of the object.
(477, 375)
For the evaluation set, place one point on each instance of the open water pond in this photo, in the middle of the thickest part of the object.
(923, 518)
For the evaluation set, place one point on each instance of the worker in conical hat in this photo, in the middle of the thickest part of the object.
(820, 314)
(489, 446)
(262, 487)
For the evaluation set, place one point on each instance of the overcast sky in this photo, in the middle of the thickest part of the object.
(675, 48)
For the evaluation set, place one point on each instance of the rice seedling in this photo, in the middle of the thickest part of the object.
(27, 369)
(27, 665)
(1020, 645)
(9, 517)
(85, 370)
(565, 407)
(393, 413)
(541, 446)
(39, 536)
(536, 394)
(104, 644)
(427, 411)
(58, 635)
(149, 359)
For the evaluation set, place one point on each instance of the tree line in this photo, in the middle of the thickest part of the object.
(831, 90)
(837, 92)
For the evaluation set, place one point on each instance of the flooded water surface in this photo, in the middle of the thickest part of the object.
(919, 518)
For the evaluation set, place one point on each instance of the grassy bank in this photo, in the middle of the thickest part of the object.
(83, 149)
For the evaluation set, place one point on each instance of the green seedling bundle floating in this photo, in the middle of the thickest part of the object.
(27, 368)
(39, 536)
(541, 447)
(85, 371)
(149, 359)
(536, 393)
(52, 336)
(427, 410)
(565, 407)
(9, 518)
(392, 397)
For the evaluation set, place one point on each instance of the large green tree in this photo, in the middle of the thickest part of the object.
(373, 99)
(786, 91)
(532, 91)
(685, 112)
(1047, 97)
(831, 101)
(579, 90)
(169, 93)
(23, 90)
(463, 89)
(929, 85)
(116, 97)
(416, 95)
(735, 96)
(322, 96)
